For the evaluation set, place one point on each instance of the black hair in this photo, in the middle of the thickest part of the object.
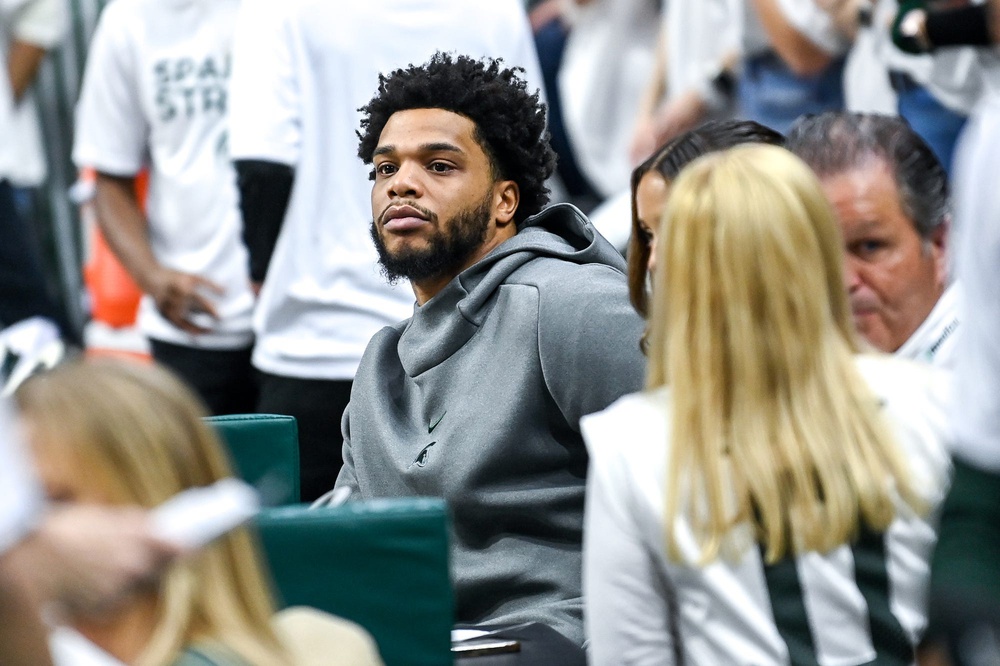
(834, 142)
(509, 121)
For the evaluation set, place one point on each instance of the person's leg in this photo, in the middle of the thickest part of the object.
(23, 293)
(317, 406)
(771, 94)
(224, 378)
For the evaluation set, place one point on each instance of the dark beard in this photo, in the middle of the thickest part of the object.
(445, 253)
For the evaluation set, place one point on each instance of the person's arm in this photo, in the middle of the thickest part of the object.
(265, 130)
(917, 29)
(629, 602)
(178, 295)
(803, 56)
(265, 188)
(588, 341)
(35, 28)
(22, 635)
(23, 61)
(347, 477)
(644, 138)
(90, 557)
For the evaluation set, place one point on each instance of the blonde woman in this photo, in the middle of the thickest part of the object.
(118, 433)
(767, 495)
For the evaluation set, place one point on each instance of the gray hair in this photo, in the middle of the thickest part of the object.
(834, 142)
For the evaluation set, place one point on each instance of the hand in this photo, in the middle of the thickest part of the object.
(544, 13)
(91, 558)
(180, 295)
(643, 141)
(909, 28)
(679, 115)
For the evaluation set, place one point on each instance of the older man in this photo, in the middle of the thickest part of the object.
(890, 194)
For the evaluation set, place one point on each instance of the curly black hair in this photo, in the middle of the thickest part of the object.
(510, 121)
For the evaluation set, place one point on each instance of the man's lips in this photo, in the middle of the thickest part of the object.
(863, 310)
(403, 218)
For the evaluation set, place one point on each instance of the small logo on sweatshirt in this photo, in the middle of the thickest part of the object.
(431, 427)
(425, 452)
(421, 458)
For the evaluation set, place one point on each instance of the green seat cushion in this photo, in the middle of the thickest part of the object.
(381, 563)
(264, 449)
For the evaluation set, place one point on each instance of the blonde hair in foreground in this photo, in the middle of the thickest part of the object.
(772, 423)
(138, 431)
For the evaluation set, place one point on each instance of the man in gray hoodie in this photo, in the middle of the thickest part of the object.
(522, 325)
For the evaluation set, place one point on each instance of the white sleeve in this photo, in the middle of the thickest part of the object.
(816, 24)
(264, 97)
(20, 496)
(41, 22)
(976, 404)
(626, 610)
(111, 127)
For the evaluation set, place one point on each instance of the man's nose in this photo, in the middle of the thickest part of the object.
(852, 274)
(405, 183)
(651, 262)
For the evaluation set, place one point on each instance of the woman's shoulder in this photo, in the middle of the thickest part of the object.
(916, 399)
(917, 391)
(635, 426)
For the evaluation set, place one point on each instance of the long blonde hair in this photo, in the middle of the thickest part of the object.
(772, 424)
(138, 431)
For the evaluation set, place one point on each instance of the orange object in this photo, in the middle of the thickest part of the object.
(114, 295)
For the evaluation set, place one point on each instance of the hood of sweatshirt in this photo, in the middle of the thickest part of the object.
(443, 324)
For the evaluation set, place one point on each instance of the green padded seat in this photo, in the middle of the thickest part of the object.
(264, 449)
(381, 563)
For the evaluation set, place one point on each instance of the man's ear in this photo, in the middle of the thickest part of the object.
(938, 242)
(506, 197)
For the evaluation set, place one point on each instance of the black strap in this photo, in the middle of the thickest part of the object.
(965, 26)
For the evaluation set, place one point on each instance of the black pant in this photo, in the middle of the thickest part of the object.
(222, 377)
(317, 405)
(23, 292)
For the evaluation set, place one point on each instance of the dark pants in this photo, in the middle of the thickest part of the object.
(550, 42)
(222, 377)
(317, 405)
(23, 292)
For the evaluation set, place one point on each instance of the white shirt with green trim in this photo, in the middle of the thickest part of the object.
(848, 606)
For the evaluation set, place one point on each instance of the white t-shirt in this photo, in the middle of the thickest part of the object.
(21, 499)
(42, 23)
(302, 68)
(606, 66)
(155, 91)
(727, 609)
(802, 15)
(699, 35)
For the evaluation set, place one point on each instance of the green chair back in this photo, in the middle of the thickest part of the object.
(264, 448)
(381, 563)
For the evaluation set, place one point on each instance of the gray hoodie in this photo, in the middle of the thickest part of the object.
(477, 398)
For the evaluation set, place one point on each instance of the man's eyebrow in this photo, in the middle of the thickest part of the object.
(437, 147)
(866, 226)
(440, 146)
